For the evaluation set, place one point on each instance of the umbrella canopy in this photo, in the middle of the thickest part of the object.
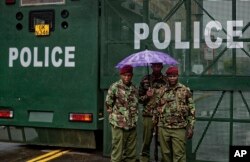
(143, 58)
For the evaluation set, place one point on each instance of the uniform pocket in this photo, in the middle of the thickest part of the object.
(184, 110)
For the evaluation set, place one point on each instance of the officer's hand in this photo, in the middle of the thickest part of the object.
(154, 119)
(160, 110)
(109, 110)
(189, 133)
(150, 92)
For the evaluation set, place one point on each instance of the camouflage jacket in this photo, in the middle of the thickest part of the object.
(176, 107)
(149, 104)
(123, 102)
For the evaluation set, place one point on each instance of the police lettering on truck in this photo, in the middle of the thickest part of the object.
(142, 32)
(55, 57)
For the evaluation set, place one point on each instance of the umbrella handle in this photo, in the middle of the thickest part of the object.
(150, 82)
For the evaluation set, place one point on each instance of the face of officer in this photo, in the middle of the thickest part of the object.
(172, 79)
(157, 67)
(126, 78)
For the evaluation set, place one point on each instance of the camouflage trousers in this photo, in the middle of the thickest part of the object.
(173, 144)
(123, 145)
(148, 129)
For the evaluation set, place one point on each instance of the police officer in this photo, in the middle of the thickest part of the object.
(147, 92)
(122, 106)
(176, 119)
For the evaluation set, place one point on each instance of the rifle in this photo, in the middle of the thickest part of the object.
(156, 116)
(156, 141)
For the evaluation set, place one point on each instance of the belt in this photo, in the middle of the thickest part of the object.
(129, 129)
(147, 116)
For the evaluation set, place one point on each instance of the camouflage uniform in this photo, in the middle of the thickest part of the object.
(123, 100)
(149, 105)
(177, 113)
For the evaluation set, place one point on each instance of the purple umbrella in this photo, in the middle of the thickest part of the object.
(146, 57)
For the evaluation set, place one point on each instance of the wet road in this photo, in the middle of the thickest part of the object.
(12, 152)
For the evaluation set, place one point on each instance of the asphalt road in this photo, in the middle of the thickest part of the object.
(13, 152)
